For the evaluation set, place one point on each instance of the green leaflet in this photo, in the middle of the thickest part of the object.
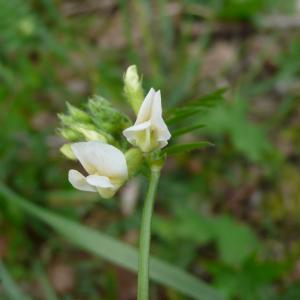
(202, 104)
(188, 129)
(177, 149)
(115, 251)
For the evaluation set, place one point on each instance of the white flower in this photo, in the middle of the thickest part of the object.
(149, 132)
(106, 167)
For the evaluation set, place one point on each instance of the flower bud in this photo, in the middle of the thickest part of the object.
(78, 114)
(133, 88)
(67, 151)
(91, 135)
(70, 134)
(134, 159)
(105, 117)
(66, 120)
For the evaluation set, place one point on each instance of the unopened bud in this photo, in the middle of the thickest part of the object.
(69, 134)
(66, 150)
(91, 135)
(134, 159)
(78, 114)
(66, 120)
(105, 117)
(133, 88)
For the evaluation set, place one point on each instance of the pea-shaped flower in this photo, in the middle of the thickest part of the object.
(106, 167)
(149, 132)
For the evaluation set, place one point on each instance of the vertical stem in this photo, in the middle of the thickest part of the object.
(145, 236)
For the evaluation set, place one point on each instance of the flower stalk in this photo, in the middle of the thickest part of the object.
(145, 235)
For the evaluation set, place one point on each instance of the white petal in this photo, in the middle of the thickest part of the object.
(99, 181)
(144, 113)
(79, 181)
(131, 132)
(104, 159)
(162, 143)
(105, 187)
(156, 110)
(84, 153)
(139, 135)
(162, 132)
(138, 127)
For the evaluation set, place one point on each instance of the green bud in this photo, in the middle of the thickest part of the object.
(70, 134)
(78, 114)
(133, 88)
(66, 150)
(73, 118)
(106, 117)
(134, 158)
(101, 122)
(66, 120)
(91, 135)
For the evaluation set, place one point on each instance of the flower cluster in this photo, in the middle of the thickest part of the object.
(95, 136)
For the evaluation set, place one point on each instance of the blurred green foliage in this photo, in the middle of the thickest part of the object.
(228, 213)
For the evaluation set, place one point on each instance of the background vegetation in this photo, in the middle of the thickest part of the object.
(229, 214)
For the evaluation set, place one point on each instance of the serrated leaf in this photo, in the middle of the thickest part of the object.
(115, 251)
(177, 149)
(187, 129)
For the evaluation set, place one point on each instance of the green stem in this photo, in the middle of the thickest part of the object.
(145, 236)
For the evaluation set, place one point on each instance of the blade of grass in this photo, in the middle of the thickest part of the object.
(125, 9)
(115, 251)
(167, 37)
(45, 284)
(10, 287)
(144, 11)
(188, 77)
